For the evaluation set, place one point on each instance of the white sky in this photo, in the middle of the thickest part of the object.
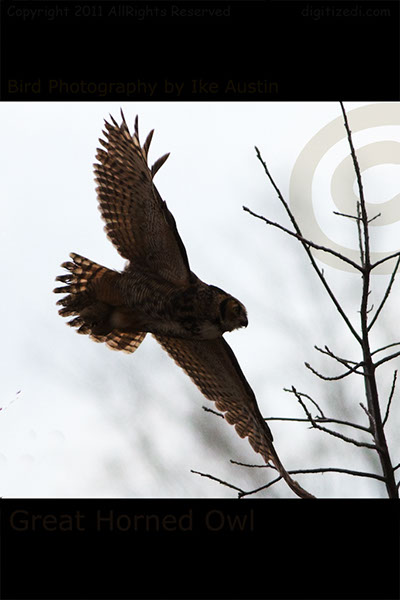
(90, 422)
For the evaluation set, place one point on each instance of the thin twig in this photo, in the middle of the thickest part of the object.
(330, 431)
(318, 271)
(375, 217)
(242, 494)
(304, 240)
(390, 398)
(221, 481)
(386, 358)
(386, 295)
(214, 412)
(364, 215)
(321, 470)
(333, 377)
(339, 470)
(340, 214)
(385, 348)
(303, 395)
(359, 235)
(321, 420)
(369, 415)
(251, 466)
(386, 258)
(343, 361)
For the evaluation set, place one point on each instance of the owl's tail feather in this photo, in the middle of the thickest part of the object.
(94, 300)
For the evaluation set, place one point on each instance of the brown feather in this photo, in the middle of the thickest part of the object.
(213, 367)
(83, 293)
(138, 221)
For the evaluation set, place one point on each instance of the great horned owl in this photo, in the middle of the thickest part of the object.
(157, 292)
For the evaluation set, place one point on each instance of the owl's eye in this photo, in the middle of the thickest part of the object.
(223, 308)
(237, 309)
(232, 312)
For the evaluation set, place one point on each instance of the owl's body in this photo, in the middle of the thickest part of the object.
(198, 310)
(137, 301)
(157, 292)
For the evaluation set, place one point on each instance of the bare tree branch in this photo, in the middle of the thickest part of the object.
(363, 210)
(252, 466)
(369, 415)
(339, 470)
(242, 494)
(386, 358)
(333, 377)
(316, 425)
(214, 412)
(340, 214)
(303, 395)
(320, 470)
(321, 420)
(221, 481)
(343, 361)
(318, 271)
(304, 240)
(385, 348)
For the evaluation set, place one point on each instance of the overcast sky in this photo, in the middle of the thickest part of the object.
(80, 420)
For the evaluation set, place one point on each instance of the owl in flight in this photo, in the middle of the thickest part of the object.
(157, 292)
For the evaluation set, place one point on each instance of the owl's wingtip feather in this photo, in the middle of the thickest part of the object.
(137, 127)
(158, 164)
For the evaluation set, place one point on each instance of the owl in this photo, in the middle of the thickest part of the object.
(157, 292)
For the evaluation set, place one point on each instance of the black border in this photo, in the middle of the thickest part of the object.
(229, 50)
(200, 549)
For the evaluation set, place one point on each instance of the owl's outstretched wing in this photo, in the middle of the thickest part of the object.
(213, 367)
(138, 221)
(120, 340)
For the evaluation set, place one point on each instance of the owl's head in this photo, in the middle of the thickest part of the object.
(233, 314)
